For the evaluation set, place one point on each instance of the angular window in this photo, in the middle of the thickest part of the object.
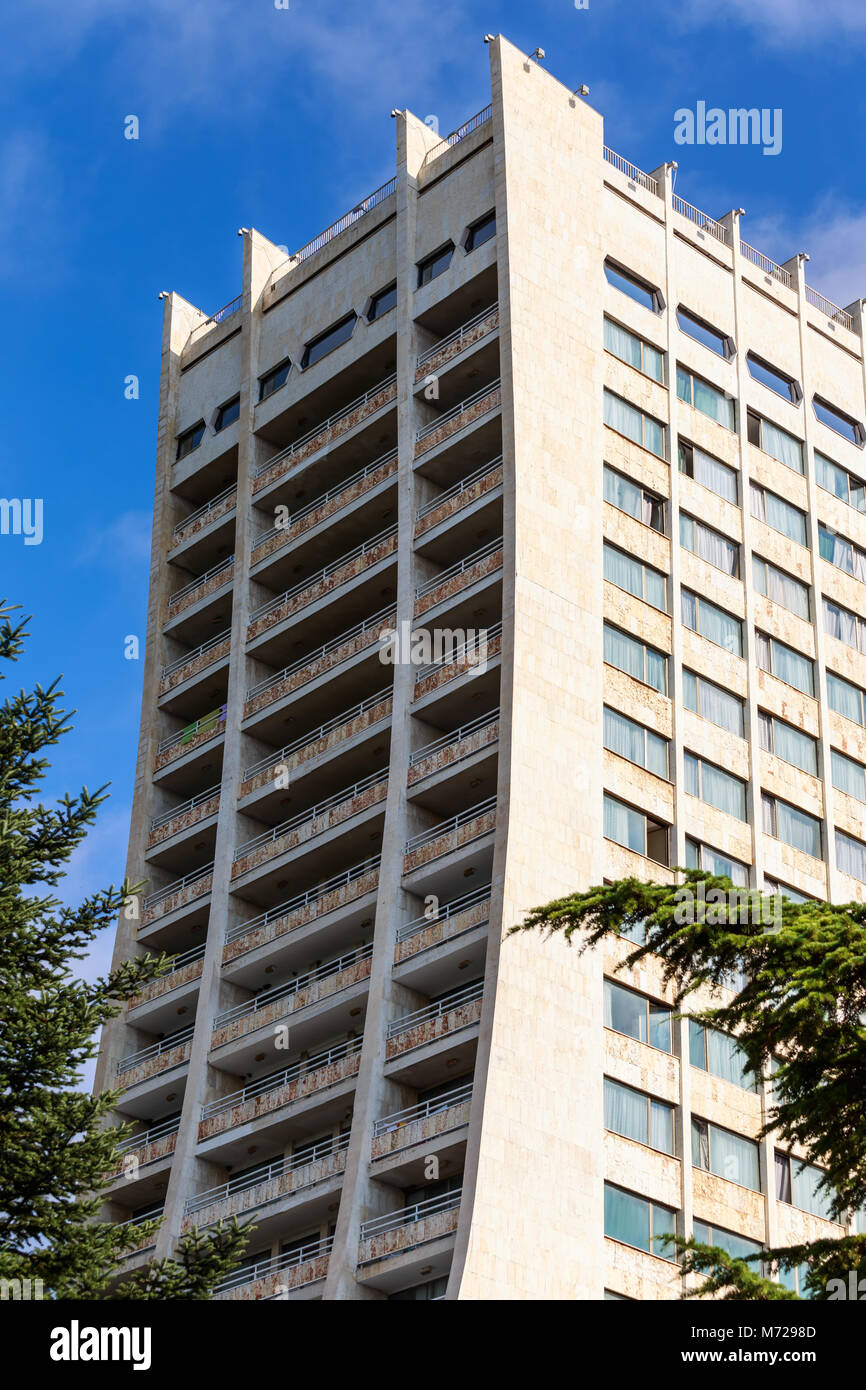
(715, 786)
(848, 775)
(636, 1016)
(703, 617)
(850, 856)
(481, 231)
(635, 577)
(635, 658)
(712, 703)
(634, 742)
(702, 332)
(784, 386)
(782, 588)
(435, 264)
(846, 699)
(189, 440)
(274, 379)
(635, 830)
(709, 472)
(638, 1222)
(726, 1154)
(788, 743)
(700, 856)
(782, 516)
(382, 302)
(784, 663)
(774, 441)
(709, 400)
(635, 1115)
(845, 626)
(798, 1184)
(638, 353)
(638, 290)
(326, 342)
(719, 1054)
(833, 478)
(626, 419)
(709, 545)
(837, 420)
(795, 828)
(630, 497)
(227, 414)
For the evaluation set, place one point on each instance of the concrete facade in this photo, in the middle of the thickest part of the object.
(399, 575)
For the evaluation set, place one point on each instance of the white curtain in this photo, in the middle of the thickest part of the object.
(798, 829)
(848, 776)
(622, 417)
(622, 344)
(626, 1111)
(623, 493)
(844, 698)
(851, 856)
(716, 476)
(792, 668)
(782, 446)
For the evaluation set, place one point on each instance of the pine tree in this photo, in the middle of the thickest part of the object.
(55, 1149)
(798, 1015)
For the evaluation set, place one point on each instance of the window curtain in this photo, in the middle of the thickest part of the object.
(623, 652)
(620, 569)
(701, 1145)
(789, 592)
(622, 417)
(789, 520)
(654, 436)
(657, 671)
(722, 709)
(794, 747)
(726, 1059)
(782, 446)
(713, 403)
(792, 668)
(656, 754)
(626, 1218)
(653, 362)
(717, 549)
(723, 791)
(625, 1012)
(851, 856)
(626, 1112)
(624, 737)
(661, 1127)
(720, 628)
(798, 829)
(807, 1197)
(717, 864)
(716, 476)
(624, 826)
(835, 550)
(831, 477)
(623, 494)
(734, 1158)
(841, 624)
(848, 776)
(655, 588)
(844, 698)
(622, 344)
(783, 1178)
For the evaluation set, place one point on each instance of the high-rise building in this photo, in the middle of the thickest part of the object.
(508, 537)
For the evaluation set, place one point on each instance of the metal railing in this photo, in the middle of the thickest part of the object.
(263, 1268)
(409, 1215)
(188, 734)
(347, 220)
(456, 410)
(457, 335)
(267, 1173)
(826, 306)
(458, 653)
(203, 511)
(150, 1136)
(365, 625)
(325, 425)
(433, 832)
(168, 816)
(133, 1059)
(456, 488)
(398, 1119)
(178, 963)
(276, 1080)
(328, 496)
(448, 740)
(220, 316)
(700, 219)
(141, 1220)
(312, 895)
(460, 133)
(178, 885)
(459, 567)
(452, 909)
(278, 831)
(323, 730)
(631, 171)
(320, 575)
(455, 1000)
(202, 579)
(295, 986)
(764, 263)
(195, 654)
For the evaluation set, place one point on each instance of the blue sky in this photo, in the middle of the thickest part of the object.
(279, 119)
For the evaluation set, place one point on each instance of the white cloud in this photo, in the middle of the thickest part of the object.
(834, 235)
(783, 23)
(122, 545)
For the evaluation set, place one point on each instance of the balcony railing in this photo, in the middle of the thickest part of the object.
(452, 909)
(278, 831)
(460, 567)
(332, 495)
(434, 832)
(177, 887)
(356, 712)
(150, 1136)
(201, 512)
(347, 220)
(419, 1211)
(324, 425)
(455, 411)
(826, 306)
(315, 1250)
(208, 723)
(162, 984)
(323, 574)
(457, 736)
(764, 263)
(302, 900)
(700, 219)
(631, 171)
(455, 491)
(157, 822)
(384, 618)
(199, 583)
(461, 653)
(433, 1011)
(269, 1172)
(460, 335)
(275, 1081)
(134, 1059)
(399, 1119)
(189, 657)
(296, 986)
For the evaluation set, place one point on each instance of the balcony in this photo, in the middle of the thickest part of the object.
(475, 654)
(338, 892)
(287, 999)
(146, 1242)
(322, 660)
(327, 737)
(325, 506)
(184, 816)
(220, 577)
(214, 510)
(152, 1061)
(462, 915)
(178, 894)
(309, 824)
(458, 577)
(452, 748)
(450, 835)
(194, 662)
(271, 1183)
(280, 1089)
(154, 1144)
(475, 407)
(277, 1277)
(466, 336)
(326, 433)
(404, 1230)
(421, 1123)
(186, 968)
(186, 740)
(455, 499)
(457, 1010)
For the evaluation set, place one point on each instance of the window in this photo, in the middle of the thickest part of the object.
(636, 658)
(846, 699)
(189, 440)
(772, 885)
(783, 516)
(638, 290)
(701, 331)
(634, 742)
(832, 478)
(738, 1247)
(703, 617)
(850, 856)
(638, 1222)
(837, 420)
(634, 424)
(634, 830)
(481, 231)
(776, 442)
(777, 381)
(788, 743)
(227, 414)
(635, 577)
(709, 545)
(326, 342)
(845, 626)
(719, 1054)
(709, 472)
(638, 1017)
(848, 776)
(782, 588)
(274, 379)
(637, 1116)
(435, 264)
(725, 1154)
(633, 499)
(638, 353)
(797, 1184)
(382, 302)
(715, 786)
(795, 828)
(838, 551)
(709, 400)
(422, 1293)
(784, 663)
(700, 856)
(795, 1280)
(712, 703)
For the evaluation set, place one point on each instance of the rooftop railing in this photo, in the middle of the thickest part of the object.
(320, 575)
(764, 263)
(277, 831)
(134, 1059)
(457, 488)
(459, 567)
(324, 498)
(826, 306)
(378, 619)
(276, 1264)
(452, 909)
(452, 1001)
(448, 740)
(398, 1119)
(220, 316)
(334, 419)
(458, 335)
(202, 579)
(460, 133)
(700, 219)
(347, 220)
(268, 1172)
(203, 511)
(456, 410)
(178, 886)
(168, 816)
(356, 712)
(295, 986)
(419, 1211)
(276, 1080)
(631, 171)
(301, 900)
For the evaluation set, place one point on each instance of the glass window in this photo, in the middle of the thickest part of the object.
(634, 742)
(776, 442)
(637, 578)
(784, 663)
(628, 347)
(788, 743)
(738, 1247)
(700, 856)
(772, 885)
(422, 1293)
(846, 699)
(637, 1116)
(726, 1154)
(711, 702)
(844, 625)
(793, 827)
(850, 856)
(626, 419)
(633, 286)
(782, 516)
(777, 381)
(719, 1054)
(797, 1184)
(703, 617)
(837, 420)
(782, 588)
(709, 545)
(481, 231)
(435, 264)
(326, 342)
(636, 658)
(634, 830)
(227, 414)
(718, 477)
(848, 775)
(833, 478)
(715, 786)
(630, 497)
(709, 400)
(637, 1016)
(638, 1222)
(382, 302)
(274, 379)
(189, 440)
(702, 333)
